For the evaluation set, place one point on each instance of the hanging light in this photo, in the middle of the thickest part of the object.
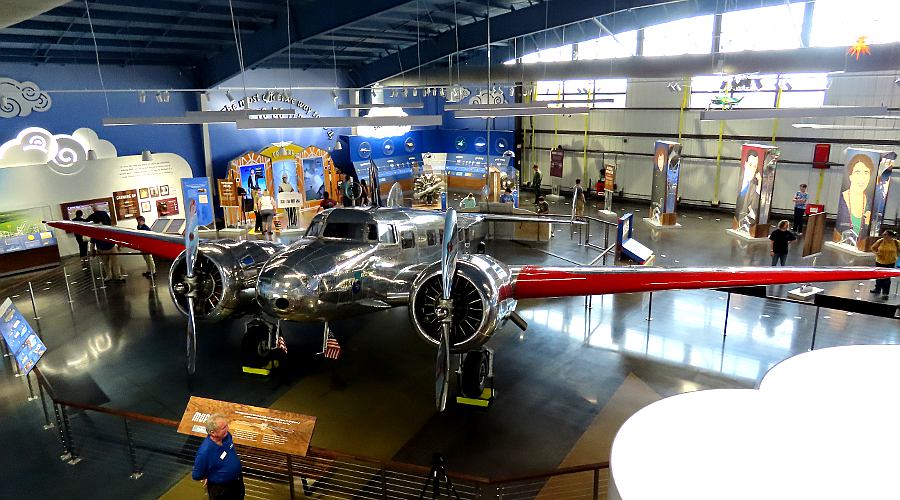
(338, 146)
(165, 96)
(415, 92)
(146, 155)
(158, 96)
(405, 92)
(228, 95)
(443, 92)
(282, 151)
(91, 155)
(142, 97)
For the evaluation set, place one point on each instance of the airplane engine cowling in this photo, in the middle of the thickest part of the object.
(226, 274)
(481, 301)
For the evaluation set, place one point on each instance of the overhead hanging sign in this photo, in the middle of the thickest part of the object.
(274, 96)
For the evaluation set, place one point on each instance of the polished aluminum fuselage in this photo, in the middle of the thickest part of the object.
(321, 278)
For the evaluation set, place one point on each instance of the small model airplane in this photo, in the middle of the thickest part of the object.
(358, 260)
(724, 101)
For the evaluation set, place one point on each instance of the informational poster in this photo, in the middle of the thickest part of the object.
(167, 206)
(757, 182)
(610, 176)
(253, 177)
(88, 207)
(857, 198)
(556, 162)
(198, 189)
(24, 230)
(23, 343)
(882, 186)
(275, 430)
(228, 196)
(314, 179)
(126, 203)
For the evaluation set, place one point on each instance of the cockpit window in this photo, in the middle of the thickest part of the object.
(313, 230)
(351, 231)
(386, 233)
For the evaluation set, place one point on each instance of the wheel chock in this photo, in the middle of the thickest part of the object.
(485, 401)
(262, 371)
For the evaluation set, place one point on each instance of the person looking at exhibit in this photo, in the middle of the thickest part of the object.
(217, 464)
(536, 181)
(781, 238)
(364, 192)
(326, 202)
(578, 196)
(265, 206)
(886, 250)
(543, 208)
(468, 202)
(801, 197)
(148, 258)
(112, 271)
(853, 207)
(82, 245)
(254, 195)
(507, 196)
(345, 187)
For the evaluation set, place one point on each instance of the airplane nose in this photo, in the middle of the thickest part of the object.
(285, 292)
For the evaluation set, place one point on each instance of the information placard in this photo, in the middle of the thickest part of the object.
(126, 204)
(274, 430)
(197, 189)
(23, 343)
(228, 194)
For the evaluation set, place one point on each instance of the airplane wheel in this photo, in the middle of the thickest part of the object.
(254, 348)
(474, 374)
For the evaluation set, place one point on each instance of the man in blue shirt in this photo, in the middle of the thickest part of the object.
(107, 251)
(217, 464)
(148, 259)
(800, 199)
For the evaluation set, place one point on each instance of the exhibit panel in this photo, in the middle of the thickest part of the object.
(666, 169)
(754, 198)
(26, 243)
(863, 197)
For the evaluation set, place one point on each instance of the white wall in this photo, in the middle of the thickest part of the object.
(698, 176)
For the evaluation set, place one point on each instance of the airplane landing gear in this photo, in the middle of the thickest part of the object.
(259, 351)
(475, 378)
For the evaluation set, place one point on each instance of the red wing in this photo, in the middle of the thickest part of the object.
(163, 245)
(538, 282)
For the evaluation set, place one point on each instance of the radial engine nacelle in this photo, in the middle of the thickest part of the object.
(225, 283)
(482, 301)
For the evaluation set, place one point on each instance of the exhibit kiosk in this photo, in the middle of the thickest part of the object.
(664, 192)
(862, 200)
(754, 197)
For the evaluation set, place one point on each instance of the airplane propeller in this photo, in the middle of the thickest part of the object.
(188, 287)
(444, 310)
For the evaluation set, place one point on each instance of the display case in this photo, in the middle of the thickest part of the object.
(26, 243)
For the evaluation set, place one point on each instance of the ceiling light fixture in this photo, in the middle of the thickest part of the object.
(769, 113)
(142, 96)
(146, 155)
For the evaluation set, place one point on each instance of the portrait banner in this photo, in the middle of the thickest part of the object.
(666, 169)
(857, 198)
(755, 187)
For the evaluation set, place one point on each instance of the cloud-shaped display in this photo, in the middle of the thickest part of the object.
(63, 153)
(22, 98)
(821, 425)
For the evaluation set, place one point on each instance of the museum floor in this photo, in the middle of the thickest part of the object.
(564, 386)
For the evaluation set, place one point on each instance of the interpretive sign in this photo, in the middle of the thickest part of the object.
(198, 189)
(556, 162)
(274, 430)
(126, 204)
(228, 196)
(23, 343)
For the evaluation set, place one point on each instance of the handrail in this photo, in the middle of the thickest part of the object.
(322, 453)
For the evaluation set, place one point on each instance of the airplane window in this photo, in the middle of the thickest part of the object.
(313, 230)
(407, 239)
(386, 233)
(373, 232)
(350, 231)
(431, 234)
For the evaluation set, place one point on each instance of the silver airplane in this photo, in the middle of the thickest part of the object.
(353, 261)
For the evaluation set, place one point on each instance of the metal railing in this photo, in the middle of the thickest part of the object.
(136, 445)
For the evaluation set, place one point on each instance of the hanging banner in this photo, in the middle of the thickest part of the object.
(858, 193)
(666, 168)
(754, 198)
(556, 162)
(197, 189)
(23, 343)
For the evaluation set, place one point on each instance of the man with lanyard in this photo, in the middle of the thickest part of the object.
(800, 199)
(217, 464)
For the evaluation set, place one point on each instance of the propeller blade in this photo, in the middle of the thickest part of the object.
(191, 239)
(449, 252)
(442, 369)
(191, 338)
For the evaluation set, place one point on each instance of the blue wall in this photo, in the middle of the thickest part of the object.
(73, 110)
(227, 142)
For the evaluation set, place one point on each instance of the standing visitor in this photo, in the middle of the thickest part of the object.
(148, 259)
(886, 249)
(781, 237)
(82, 244)
(578, 197)
(800, 199)
(536, 181)
(266, 209)
(217, 464)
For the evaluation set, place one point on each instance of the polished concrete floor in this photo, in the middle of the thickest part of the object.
(563, 387)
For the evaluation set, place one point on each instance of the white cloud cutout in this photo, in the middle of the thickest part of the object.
(822, 425)
(63, 153)
(22, 98)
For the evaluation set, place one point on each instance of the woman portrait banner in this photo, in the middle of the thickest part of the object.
(854, 214)
(666, 167)
(754, 197)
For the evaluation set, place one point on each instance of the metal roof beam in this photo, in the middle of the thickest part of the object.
(118, 23)
(103, 39)
(272, 39)
(164, 9)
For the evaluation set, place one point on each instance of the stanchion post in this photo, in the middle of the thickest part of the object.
(812, 345)
(33, 305)
(48, 425)
(135, 473)
(650, 309)
(153, 277)
(67, 449)
(727, 310)
(68, 432)
(93, 277)
(68, 289)
(596, 485)
(31, 396)
(290, 468)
